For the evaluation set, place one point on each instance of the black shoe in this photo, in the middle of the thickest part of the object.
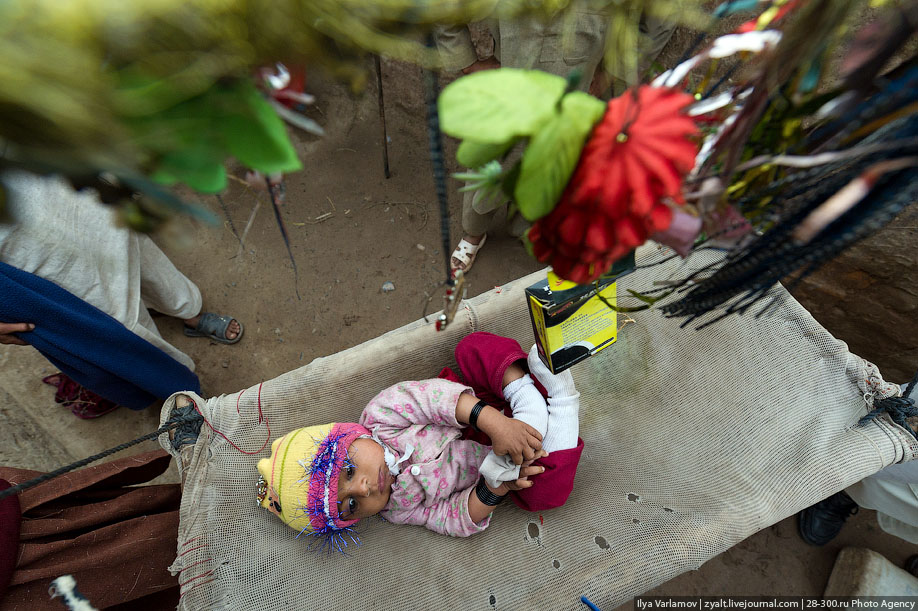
(911, 565)
(819, 523)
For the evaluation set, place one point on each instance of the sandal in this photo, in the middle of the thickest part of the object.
(83, 403)
(214, 327)
(465, 254)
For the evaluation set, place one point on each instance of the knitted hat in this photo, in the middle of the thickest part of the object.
(299, 481)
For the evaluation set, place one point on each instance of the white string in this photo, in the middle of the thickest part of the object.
(65, 587)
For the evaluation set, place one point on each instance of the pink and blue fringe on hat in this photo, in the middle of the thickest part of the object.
(299, 481)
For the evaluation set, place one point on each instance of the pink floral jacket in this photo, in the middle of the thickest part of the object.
(435, 481)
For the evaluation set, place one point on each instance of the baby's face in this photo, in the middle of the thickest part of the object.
(364, 483)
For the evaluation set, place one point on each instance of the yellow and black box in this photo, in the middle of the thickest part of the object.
(572, 322)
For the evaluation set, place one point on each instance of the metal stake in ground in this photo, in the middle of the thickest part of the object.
(382, 117)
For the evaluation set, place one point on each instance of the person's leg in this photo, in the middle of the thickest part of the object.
(563, 405)
(474, 228)
(655, 35)
(892, 491)
(163, 287)
(167, 290)
(552, 487)
(483, 359)
(895, 502)
(562, 424)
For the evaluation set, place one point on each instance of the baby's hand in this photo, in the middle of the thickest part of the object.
(527, 470)
(516, 438)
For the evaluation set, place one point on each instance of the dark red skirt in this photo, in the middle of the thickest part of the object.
(114, 537)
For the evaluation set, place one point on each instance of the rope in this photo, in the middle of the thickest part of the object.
(435, 144)
(898, 408)
(175, 421)
(190, 427)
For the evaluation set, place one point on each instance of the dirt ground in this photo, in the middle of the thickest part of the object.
(352, 230)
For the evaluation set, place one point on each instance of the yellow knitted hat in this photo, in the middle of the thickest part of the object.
(299, 481)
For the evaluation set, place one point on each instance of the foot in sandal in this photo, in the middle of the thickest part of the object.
(223, 329)
(464, 255)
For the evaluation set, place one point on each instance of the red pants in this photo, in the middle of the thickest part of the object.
(483, 358)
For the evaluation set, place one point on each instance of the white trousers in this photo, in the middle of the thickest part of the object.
(72, 239)
(893, 493)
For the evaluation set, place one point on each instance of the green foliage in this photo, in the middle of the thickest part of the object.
(496, 106)
(487, 182)
(473, 154)
(195, 137)
(160, 89)
(256, 136)
(126, 87)
(648, 301)
(527, 244)
(492, 110)
(553, 152)
(196, 166)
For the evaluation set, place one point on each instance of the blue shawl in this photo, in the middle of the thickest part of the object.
(88, 345)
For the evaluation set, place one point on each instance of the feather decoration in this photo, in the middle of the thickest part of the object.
(814, 170)
(821, 212)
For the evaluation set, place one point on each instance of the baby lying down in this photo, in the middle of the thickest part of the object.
(438, 453)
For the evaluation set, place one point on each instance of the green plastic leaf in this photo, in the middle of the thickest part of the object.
(473, 154)
(511, 177)
(190, 124)
(584, 109)
(490, 173)
(138, 93)
(189, 141)
(552, 154)
(527, 243)
(185, 141)
(487, 200)
(646, 298)
(496, 106)
(256, 136)
(193, 168)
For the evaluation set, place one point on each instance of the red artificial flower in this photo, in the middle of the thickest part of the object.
(636, 157)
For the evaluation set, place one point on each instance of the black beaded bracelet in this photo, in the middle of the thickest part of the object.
(485, 495)
(476, 411)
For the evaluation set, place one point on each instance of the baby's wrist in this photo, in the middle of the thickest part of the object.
(487, 419)
(501, 490)
(490, 495)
